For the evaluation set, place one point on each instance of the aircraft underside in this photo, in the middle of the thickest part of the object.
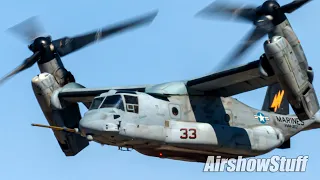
(221, 141)
(183, 153)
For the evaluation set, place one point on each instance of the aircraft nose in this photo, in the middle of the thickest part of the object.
(90, 126)
(97, 126)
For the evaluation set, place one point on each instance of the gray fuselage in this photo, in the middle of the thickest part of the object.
(187, 127)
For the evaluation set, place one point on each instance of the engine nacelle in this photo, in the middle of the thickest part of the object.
(294, 42)
(44, 86)
(292, 78)
(56, 68)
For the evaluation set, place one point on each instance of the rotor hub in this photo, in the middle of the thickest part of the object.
(40, 44)
(269, 7)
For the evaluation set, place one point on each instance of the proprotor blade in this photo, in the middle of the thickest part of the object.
(67, 45)
(246, 13)
(251, 38)
(28, 30)
(26, 64)
(263, 27)
(289, 8)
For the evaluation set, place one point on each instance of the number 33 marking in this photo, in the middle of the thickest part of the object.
(193, 133)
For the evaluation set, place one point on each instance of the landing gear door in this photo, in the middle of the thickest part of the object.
(175, 111)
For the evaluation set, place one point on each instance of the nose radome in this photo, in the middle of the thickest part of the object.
(97, 127)
(91, 126)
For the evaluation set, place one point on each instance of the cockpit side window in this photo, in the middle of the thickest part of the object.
(114, 101)
(132, 103)
(96, 103)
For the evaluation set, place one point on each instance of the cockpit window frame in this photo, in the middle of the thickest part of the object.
(119, 95)
(132, 108)
(103, 98)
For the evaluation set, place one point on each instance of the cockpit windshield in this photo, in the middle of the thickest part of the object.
(114, 101)
(96, 103)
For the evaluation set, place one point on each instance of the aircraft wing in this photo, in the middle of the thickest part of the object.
(233, 81)
(226, 83)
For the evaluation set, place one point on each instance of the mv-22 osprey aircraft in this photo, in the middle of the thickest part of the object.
(185, 120)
